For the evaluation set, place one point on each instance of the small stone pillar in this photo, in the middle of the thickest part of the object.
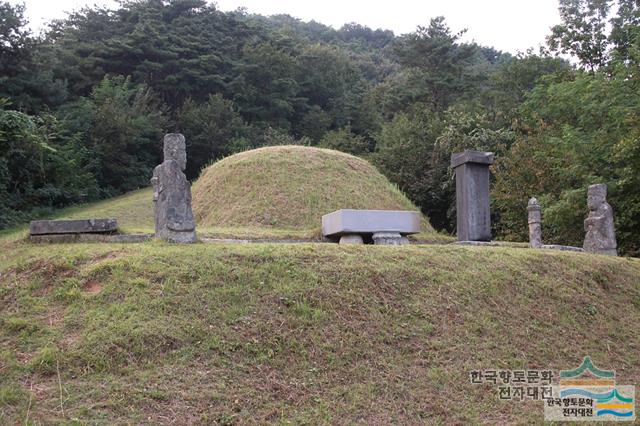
(600, 232)
(535, 223)
(472, 194)
(351, 239)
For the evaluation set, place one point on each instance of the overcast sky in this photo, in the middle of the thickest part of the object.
(509, 25)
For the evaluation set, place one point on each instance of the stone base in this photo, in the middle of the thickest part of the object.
(178, 237)
(605, 252)
(351, 239)
(559, 247)
(389, 239)
(476, 243)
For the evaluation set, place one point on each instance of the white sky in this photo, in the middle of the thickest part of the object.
(509, 25)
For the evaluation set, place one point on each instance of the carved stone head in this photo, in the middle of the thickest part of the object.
(596, 196)
(175, 148)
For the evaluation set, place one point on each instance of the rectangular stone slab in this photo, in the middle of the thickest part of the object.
(84, 226)
(348, 221)
(90, 238)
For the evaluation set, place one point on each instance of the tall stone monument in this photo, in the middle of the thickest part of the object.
(600, 232)
(472, 194)
(172, 194)
(535, 223)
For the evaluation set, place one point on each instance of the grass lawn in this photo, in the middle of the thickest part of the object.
(299, 333)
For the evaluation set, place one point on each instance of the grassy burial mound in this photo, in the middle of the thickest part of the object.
(299, 334)
(290, 187)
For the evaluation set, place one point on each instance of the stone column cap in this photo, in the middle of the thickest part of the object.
(533, 204)
(470, 156)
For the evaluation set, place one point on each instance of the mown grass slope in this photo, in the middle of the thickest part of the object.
(290, 187)
(299, 333)
(133, 210)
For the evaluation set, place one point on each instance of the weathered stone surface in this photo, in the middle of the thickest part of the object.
(480, 243)
(469, 156)
(90, 238)
(514, 245)
(174, 220)
(351, 239)
(563, 248)
(84, 226)
(389, 239)
(368, 222)
(535, 223)
(600, 232)
(472, 195)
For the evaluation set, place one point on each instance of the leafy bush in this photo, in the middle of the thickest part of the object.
(344, 140)
(37, 168)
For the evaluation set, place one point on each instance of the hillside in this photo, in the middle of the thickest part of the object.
(290, 187)
(269, 193)
(300, 333)
(303, 333)
(262, 321)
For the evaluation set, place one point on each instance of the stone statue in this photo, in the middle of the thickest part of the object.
(600, 233)
(535, 226)
(172, 194)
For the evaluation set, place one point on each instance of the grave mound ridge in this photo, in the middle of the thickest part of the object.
(291, 187)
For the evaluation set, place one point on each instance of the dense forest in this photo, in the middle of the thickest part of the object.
(84, 104)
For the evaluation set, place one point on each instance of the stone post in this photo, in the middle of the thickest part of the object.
(535, 223)
(472, 194)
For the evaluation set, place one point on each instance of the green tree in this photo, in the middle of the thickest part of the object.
(439, 69)
(314, 124)
(265, 88)
(38, 170)
(122, 130)
(514, 79)
(181, 48)
(25, 74)
(212, 130)
(582, 31)
(270, 136)
(344, 140)
(625, 33)
(627, 194)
